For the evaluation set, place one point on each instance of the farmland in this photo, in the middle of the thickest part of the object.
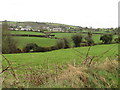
(26, 32)
(63, 56)
(22, 41)
(48, 63)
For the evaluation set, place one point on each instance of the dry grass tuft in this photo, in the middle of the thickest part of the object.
(73, 72)
(108, 65)
(78, 76)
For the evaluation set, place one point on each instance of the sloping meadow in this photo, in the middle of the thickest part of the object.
(83, 67)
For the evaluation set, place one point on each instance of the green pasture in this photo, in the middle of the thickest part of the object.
(63, 56)
(62, 35)
(27, 32)
(22, 62)
(101, 31)
(96, 37)
(22, 41)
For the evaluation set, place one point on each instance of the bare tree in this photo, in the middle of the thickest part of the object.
(9, 45)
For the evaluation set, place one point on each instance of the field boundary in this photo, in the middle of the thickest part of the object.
(31, 35)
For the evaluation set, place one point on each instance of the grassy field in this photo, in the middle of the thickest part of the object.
(62, 35)
(63, 56)
(33, 68)
(96, 37)
(63, 68)
(36, 70)
(99, 75)
(101, 31)
(27, 32)
(22, 41)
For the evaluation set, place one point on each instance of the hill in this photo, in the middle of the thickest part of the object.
(56, 27)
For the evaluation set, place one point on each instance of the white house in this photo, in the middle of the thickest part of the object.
(57, 29)
(11, 28)
(16, 29)
(22, 29)
(48, 28)
(38, 30)
(19, 26)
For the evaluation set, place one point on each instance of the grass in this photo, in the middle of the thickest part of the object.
(97, 75)
(62, 56)
(63, 68)
(44, 42)
(61, 35)
(27, 32)
(43, 69)
(87, 76)
(22, 41)
(96, 37)
(103, 31)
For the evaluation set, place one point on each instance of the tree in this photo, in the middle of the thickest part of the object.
(60, 44)
(106, 39)
(117, 40)
(77, 39)
(29, 47)
(66, 42)
(89, 34)
(9, 44)
(89, 39)
(33, 47)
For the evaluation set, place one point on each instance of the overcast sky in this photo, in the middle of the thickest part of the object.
(90, 13)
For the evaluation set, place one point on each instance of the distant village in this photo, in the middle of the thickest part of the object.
(29, 28)
(51, 27)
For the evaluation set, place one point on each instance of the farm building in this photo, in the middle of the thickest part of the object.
(57, 29)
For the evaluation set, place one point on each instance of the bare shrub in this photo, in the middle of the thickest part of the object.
(60, 44)
(67, 44)
(89, 40)
(9, 44)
